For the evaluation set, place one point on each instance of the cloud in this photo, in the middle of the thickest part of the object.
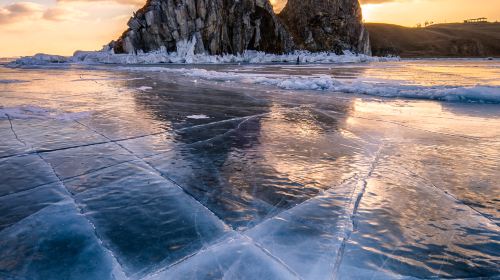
(380, 1)
(62, 14)
(20, 11)
(25, 11)
(125, 2)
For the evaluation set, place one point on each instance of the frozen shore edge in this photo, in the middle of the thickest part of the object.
(185, 55)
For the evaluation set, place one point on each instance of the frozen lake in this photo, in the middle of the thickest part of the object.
(383, 170)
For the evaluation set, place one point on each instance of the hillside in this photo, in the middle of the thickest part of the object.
(438, 40)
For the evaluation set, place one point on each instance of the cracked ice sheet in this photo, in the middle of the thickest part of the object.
(308, 237)
(68, 163)
(146, 220)
(54, 243)
(233, 259)
(9, 145)
(17, 206)
(20, 173)
(252, 169)
(46, 135)
(407, 227)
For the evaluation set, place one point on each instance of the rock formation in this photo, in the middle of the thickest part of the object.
(217, 26)
(233, 26)
(318, 25)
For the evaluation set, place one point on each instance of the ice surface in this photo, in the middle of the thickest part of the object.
(234, 259)
(35, 112)
(54, 243)
(20, 173)
(144, 218)
(19, 205)
(285, 179)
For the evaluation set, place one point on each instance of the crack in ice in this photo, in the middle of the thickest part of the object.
(350, 228)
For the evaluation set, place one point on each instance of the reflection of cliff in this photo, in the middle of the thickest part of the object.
(172, 103)
(439, 40)
(271, 157)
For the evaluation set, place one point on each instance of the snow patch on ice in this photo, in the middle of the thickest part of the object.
(144, 88)
(198, 117)
(35, 112)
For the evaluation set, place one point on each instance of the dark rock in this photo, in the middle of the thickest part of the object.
(218, 26)
(333, 25)
(233, 26)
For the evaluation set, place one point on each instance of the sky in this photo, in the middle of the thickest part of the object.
(63, 26)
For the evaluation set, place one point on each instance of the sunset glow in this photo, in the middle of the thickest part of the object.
(61, 27)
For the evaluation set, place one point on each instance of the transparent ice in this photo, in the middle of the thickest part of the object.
(250, 171)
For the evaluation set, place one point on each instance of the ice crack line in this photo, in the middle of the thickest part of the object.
(71, 197)
(14, 132)
(201, 204)
(448, 194)
(158, 173)
(109, 140)
(75, 204)
(355, 202)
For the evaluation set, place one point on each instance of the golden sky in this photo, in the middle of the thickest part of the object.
(63, 26)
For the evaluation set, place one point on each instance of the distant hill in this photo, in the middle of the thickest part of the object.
(438, 40)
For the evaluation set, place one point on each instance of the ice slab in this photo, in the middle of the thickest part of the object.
(54, 243)
(146, 220)
(17, 206)
(20, 173)
(68, 163)
(150, 145)
(44, 135)
(406, 227)
(309, 236)
(10, 145)
(233, 259)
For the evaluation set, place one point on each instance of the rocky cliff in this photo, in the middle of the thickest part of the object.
(217, 26)
(233, 26)
(319, 25)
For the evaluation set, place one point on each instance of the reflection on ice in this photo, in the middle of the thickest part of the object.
(211, 180)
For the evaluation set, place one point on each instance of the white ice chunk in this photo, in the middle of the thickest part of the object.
(198, 117)
(144, 88)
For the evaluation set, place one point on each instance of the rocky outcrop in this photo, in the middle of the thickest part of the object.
(233, 26)
(318, 25)
(216, 27)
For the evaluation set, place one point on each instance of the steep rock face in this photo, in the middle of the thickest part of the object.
(217, 27)
(319, 25)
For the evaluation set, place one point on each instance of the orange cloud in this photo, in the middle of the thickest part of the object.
(62, 14)
(125, 2)
(20, 11)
